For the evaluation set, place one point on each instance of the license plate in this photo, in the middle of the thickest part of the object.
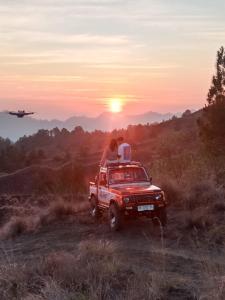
(145, 207)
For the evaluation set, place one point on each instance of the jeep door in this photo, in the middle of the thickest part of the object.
(103, 189)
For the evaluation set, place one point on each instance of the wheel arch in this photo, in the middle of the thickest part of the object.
(113, 201)
(92, 195)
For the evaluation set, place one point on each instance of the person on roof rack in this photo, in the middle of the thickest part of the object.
(110, 154)
(124, 151)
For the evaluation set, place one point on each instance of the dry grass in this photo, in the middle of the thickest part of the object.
(30, 219)
(96, 272)
(213, 277)
(197, 212)
(99, 271)
(173, 192)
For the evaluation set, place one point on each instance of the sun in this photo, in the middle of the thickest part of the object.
(115, 105)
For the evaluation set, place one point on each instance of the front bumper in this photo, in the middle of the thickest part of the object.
(151, 209)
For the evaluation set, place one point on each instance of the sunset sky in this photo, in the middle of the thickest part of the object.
(61, 58)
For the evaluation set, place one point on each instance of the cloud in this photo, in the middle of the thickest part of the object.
(53, 37)
(106, 45)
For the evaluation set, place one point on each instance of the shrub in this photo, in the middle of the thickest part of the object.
(203, 193)
(199, 219)
(58, 210)
(173, 192)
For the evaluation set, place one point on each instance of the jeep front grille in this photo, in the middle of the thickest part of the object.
(146, 197)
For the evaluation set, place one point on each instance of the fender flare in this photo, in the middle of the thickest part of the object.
(92, 195)
(113, 201)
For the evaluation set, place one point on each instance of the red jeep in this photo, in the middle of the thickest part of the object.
(126, 190)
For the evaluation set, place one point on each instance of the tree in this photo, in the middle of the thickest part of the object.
(78, 130)
(186, 113)
(65, 132)
(212, 121)
(218, 81)
(55, 132)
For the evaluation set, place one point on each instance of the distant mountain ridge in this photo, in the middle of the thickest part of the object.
(14, 128)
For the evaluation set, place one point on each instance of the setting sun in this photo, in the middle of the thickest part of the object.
(115, 105)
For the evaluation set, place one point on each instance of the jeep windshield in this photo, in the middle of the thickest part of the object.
(127, 175)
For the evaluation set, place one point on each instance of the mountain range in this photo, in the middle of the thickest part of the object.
(13, 128)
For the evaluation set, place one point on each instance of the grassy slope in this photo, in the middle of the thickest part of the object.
(74, 258)
(58, 252)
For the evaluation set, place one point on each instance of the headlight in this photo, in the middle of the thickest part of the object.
(158, 197)
(126, 199)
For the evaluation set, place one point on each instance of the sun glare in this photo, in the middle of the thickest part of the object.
(115, 105)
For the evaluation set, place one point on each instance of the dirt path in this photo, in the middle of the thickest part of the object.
(139, 244)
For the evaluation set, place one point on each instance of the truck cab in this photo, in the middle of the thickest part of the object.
(126, 190)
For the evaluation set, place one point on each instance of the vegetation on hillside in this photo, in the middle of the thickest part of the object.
(212, 123)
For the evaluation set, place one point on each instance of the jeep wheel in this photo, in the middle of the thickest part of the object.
(115, 219)
(161, 217)
(95, 212)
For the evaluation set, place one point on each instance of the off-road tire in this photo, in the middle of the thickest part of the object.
(161, 217)
(94, 209)
(115, 217)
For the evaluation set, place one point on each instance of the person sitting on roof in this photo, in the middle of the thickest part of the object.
(124, 151)
(110, 154)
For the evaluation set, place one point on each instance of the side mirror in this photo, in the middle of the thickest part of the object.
(150, 179)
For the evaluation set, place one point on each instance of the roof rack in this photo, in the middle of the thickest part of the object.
(121, 164)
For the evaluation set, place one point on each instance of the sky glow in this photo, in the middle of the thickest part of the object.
(67, 57)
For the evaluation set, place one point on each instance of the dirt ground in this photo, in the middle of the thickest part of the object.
(139, 244)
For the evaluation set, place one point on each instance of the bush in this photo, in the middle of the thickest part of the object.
(199, 219)
(54, 211)
(203, 193)
(173, 192)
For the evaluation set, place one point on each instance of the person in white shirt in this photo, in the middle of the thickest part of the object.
(124, 151)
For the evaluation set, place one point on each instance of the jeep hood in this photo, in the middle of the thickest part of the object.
(136, 189)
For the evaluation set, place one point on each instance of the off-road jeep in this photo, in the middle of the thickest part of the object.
(126, 190)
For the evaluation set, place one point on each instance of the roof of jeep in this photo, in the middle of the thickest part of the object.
(114, 166)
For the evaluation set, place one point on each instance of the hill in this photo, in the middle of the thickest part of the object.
(38, 162)
(13, 128)
(54, 250)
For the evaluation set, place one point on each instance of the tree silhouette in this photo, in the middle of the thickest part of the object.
(186, 113)
(212, 122)
(218, 81)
